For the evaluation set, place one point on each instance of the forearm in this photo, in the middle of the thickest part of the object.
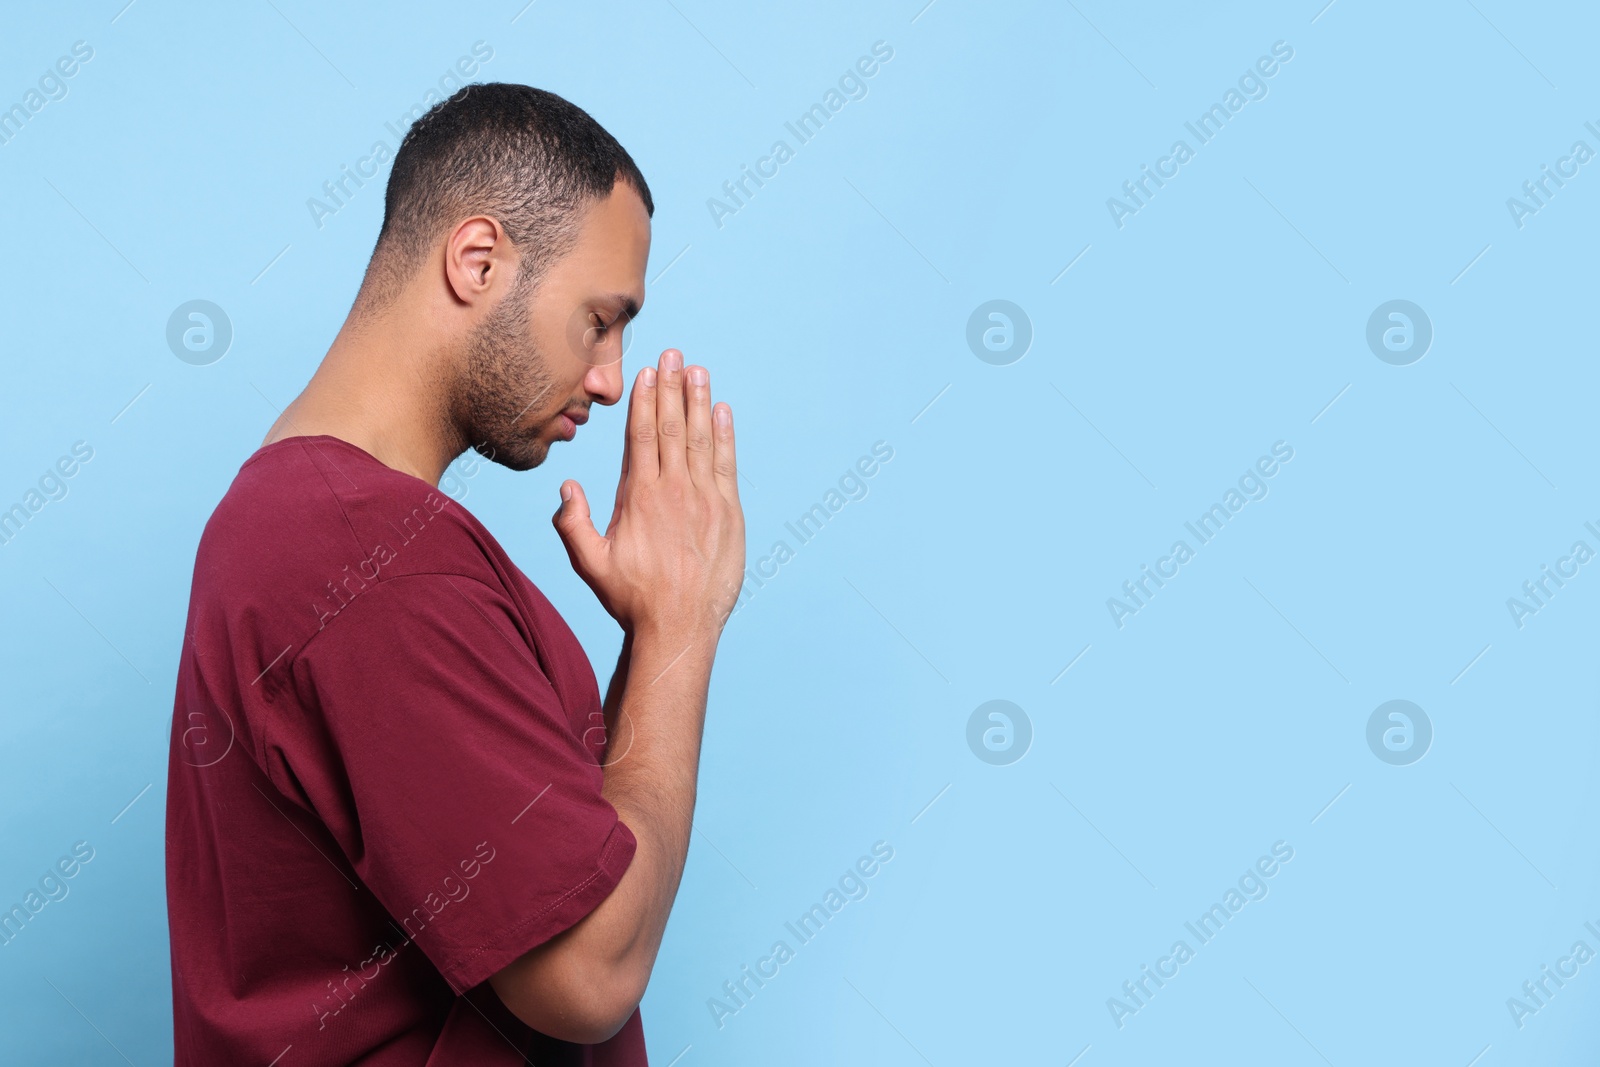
(667, 569)
(655, 710)
(652, 764)
(613, 701)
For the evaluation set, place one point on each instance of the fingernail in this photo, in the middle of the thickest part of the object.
(723, 415)
(566, 491)
(672, 360)
(649, 376)
(698, 375)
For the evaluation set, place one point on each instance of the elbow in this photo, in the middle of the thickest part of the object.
(615, 999)
(603, 1026)
(585, 1010)
(597, 1020)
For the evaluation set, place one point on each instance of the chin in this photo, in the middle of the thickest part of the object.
(524, 460)
(521, 455)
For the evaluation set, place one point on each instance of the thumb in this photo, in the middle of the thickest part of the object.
(576, 528)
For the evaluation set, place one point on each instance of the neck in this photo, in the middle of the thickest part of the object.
(380, 388)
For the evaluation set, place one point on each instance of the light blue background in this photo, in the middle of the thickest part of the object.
(832, 308)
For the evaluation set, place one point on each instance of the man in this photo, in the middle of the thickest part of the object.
(402, 826)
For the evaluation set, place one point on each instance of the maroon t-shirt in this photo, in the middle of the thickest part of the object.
(384, 779)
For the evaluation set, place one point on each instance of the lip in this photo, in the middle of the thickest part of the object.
(567, 427)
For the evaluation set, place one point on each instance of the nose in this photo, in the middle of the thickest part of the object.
(604, 382)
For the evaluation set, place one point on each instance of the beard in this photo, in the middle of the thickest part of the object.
(506, 377)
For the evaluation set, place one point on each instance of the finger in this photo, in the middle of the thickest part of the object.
(723, 461)
(670, 422)
(697, 444)
(627, 439)
(641, 447)
(622, 476)
(585, 547)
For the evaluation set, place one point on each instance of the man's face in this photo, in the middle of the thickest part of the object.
(544, 354)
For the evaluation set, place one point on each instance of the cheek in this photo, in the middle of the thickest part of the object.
(572, 342)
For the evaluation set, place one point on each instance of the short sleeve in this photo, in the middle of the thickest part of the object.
(435, 749)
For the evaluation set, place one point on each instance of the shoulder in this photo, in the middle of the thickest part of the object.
(313, 508)
(308, 525)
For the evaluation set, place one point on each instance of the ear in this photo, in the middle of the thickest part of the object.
(478, 259)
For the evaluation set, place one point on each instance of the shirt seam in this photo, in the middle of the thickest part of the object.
(294, 657)
(355, 540)
(381, 581)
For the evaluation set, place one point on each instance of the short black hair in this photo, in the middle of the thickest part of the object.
(523, 156)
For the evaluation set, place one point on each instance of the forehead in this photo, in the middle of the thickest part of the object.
(612, 244)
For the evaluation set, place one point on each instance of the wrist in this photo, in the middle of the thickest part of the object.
(659, 630)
